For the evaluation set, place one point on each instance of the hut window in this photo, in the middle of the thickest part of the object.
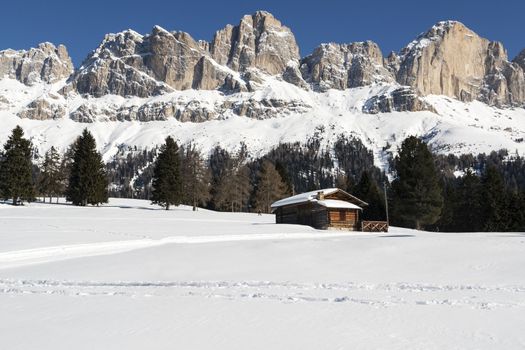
(342, 215)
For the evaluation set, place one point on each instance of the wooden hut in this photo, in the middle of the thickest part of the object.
(329, 208)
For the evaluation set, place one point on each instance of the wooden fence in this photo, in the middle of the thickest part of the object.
(374, 226)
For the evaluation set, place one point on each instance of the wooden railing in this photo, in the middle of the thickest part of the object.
(374, 226)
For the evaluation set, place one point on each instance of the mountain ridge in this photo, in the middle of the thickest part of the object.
(253, 70)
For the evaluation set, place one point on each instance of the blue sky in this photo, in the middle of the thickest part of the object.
(390, 23)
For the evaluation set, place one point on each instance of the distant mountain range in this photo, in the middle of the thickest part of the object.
(249, 84)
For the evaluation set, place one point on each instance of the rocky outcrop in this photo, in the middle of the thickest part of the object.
(452, 60)
(44, 108)
(128, 63)
(187, 110)
(268, 108)
(342, 66)
(192, 111)
(259, 41)
(117, 67)
(403, 99)
(520, 59)
(4, 103)
(46, 63)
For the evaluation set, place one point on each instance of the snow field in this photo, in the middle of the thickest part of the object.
(129, 275)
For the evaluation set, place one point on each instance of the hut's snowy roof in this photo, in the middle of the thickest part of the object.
(336, 203)
(303, 197)
(312, 197)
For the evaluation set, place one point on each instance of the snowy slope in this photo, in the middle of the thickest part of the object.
(457, 127)
(129, 275)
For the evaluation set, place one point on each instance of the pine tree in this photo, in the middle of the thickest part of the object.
(87, 179)
(417, 198)
(50, 181)
(270, 187)
(448, 220)
(494, 201)
(167, 182)
(468, 210)
(368, 190)
(285, 176)
(16, 180)
(195, 178)
(516, 210)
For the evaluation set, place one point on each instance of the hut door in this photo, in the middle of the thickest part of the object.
(342, 215)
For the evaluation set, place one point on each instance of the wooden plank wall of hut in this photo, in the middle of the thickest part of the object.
(344, 218)
(303, 214)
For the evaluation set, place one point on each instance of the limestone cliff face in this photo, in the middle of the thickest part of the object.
(520, 59)
(342, 66)
(255, 56)
(259, 41)
(117, 67)
(46, 63)
(128, 63)
(402, 99)
(44, 108)
(452, 60)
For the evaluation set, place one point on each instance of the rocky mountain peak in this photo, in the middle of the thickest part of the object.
(452, 60)
(114, 46)
(128, 63)
(258, 41)
(520, 59)
(341, 66)
(260, 54)
(47, 63)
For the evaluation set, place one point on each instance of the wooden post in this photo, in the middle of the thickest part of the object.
(386, 203)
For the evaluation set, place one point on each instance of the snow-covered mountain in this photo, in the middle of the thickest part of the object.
(249, 84)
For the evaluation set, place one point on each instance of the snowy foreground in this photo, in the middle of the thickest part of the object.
(129, 276)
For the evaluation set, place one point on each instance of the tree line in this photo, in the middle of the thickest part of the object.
(424, 196)
(80, 174)
(425, 192)
(177, 175)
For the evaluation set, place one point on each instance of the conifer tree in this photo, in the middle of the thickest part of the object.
(285, 176)
(448, 220)
(195, 178)
(468, 210)
(270, 187)
(494, 201)
(16, 180)
(87, 179)
(368, 190)
(516, 212)
(167, 182)
(50, 181)
(417, 198)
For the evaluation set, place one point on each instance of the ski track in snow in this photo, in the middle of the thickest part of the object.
(19, 258)
(370, 294)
